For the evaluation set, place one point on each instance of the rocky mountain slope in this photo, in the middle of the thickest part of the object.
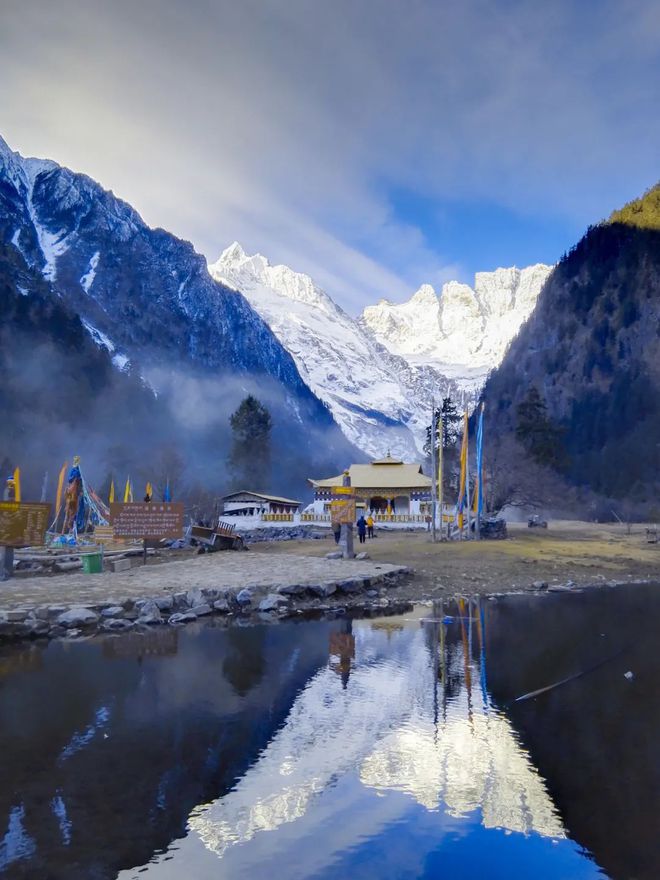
(380, 400)
(463, 331)
(592, 349)
(146, 298)
(380, 373)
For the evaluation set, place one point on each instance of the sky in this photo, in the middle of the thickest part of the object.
(375, 144)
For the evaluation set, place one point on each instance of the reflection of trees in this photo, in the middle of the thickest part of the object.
(594, 739)
(244, 665)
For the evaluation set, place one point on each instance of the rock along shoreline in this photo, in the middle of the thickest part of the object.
(176, 608)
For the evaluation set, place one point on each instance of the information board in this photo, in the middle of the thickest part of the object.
(147, 520)
(342, 510)
(23, 523)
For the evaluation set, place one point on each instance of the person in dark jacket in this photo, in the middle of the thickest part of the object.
(362, 529)
(336, 531)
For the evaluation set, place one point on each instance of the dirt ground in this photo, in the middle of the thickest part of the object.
(582, 553)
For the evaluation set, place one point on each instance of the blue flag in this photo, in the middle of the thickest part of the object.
(166, 494)
(480, 443)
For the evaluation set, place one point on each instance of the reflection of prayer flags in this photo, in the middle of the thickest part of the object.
(111, 496)
(60, 485)
(17, 484)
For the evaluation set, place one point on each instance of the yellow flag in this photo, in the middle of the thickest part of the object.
(149, 490)
(17, 484)
(60, 486)
(111, 496)
(127, 491)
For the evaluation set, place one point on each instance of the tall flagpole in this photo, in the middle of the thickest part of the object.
(467, 479)
(433, 470)
(440, 473)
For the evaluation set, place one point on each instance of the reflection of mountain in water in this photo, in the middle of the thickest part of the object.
(389, 728)
(106, 746)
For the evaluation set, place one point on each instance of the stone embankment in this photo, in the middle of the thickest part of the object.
(237, 585)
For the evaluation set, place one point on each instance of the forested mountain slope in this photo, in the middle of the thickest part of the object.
(592, 350)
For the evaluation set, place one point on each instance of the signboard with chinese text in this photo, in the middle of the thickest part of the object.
(147, 520)
(342, 510)
(23, 523)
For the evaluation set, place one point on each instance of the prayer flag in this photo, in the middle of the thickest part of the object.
(17, 484)
(111, 496)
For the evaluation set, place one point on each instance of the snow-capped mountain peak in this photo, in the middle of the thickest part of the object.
(462, 326)
(240, 271)
(379, 374)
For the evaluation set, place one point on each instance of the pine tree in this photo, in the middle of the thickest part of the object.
(250, 457)
(541, 439)
(451, 421)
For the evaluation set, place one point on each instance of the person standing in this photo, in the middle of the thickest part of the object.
(362, 529)
(370, 526)
(336, 531)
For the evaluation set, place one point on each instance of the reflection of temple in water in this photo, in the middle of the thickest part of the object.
(162, 641)
(23, 659)
(416, 719)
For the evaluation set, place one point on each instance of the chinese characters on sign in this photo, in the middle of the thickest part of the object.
(23, 524)
(148, 521)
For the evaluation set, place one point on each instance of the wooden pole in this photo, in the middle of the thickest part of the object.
(346, 535)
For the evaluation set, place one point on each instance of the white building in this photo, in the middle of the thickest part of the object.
(245, 503)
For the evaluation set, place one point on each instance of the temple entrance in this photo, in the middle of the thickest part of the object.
(378, 504)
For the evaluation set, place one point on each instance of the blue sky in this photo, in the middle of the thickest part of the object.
(376, 145)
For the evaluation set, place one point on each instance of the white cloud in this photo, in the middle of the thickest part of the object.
(287, 123)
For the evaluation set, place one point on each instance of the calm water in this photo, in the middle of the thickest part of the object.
(380, 748)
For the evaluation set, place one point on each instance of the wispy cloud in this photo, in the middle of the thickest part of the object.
(287, 124)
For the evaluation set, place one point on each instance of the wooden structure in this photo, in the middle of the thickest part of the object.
(221, 537)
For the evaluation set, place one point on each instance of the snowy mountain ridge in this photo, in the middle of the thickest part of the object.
(380, 373)
(462, 327)
(374, 396)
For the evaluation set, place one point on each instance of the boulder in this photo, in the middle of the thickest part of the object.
(181, 601)
(322, 590)
(149, 612)
(222, 605)
(292, 589)
(195, 597)
(201, 610)
(350, 585)
(244, 597)
(78, 616)
(272, 602)
(116, 624)
(334, 554)
(165, 603)
(182, 617)
(112, 611)
(363, 555)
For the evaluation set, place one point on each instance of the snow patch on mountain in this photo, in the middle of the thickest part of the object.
(99, 338)
(87, 279)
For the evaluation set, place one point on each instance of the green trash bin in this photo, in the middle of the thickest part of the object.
(92, 563)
